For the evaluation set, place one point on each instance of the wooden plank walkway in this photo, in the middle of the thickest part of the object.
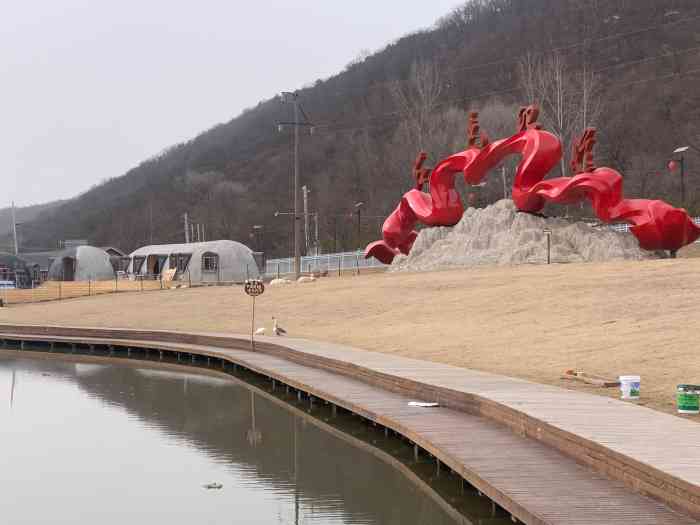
(535, 482)
(656, 453)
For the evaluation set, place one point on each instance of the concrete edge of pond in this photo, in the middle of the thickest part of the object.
(637, 446)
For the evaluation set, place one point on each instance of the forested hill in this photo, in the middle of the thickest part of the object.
(24, 216)
(629, 67)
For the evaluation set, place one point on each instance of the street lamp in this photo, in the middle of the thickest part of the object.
(259, 233)
(672, 166)
(358, 207)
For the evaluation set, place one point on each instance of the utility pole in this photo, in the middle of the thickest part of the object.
(187, 229)
(14, 228)
(305, 192)
(293, 98)
(297, 250)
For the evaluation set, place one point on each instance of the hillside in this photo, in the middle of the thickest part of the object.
(27, 216)
(635, 63)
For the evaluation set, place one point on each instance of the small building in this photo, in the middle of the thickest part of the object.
(14, 271)
(120, 260)
(81, 263)
(196, 262)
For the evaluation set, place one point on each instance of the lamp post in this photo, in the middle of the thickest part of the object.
(358, 207)
(259, 234)
(672, 166)
(548, 233)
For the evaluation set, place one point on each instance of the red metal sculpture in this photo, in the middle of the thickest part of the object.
(656, 224)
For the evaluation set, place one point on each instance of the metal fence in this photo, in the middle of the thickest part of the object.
(58, 290)
(328, 262)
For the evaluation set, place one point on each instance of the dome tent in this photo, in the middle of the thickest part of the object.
(81, 263)
(198, 262)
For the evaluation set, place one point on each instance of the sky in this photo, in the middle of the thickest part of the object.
(90, 88)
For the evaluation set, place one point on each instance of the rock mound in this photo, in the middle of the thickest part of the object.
(500, 235)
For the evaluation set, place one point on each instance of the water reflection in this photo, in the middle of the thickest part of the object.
(107, 443)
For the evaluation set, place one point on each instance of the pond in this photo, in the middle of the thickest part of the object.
(116, 442)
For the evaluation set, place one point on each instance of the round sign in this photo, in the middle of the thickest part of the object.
(254, 287)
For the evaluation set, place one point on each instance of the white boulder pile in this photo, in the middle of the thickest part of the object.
(500, 235)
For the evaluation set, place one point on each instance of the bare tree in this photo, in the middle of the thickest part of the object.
(569, 101)
(417, 101)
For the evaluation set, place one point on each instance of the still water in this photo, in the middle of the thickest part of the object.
(88, 443)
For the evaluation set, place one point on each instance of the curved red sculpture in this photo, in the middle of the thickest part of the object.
(656, 224)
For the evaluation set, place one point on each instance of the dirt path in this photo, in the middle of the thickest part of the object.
(528, 321)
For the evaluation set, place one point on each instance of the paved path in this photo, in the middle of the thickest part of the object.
(536, 472)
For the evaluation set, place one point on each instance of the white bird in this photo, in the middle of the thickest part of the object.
(276, 329)
(260, 331)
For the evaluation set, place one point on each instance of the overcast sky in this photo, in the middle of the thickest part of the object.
(89, 88)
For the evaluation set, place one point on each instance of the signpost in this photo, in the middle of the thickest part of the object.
(253, 287)
(548, 233)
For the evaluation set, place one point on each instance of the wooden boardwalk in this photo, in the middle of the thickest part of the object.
(559, 466)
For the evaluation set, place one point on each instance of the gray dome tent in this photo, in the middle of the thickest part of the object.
(198, 262)
(82, 263)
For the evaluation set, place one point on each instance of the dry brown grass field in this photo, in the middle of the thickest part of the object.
(531, 322)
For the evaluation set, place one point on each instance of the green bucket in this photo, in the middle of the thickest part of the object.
(688, 399)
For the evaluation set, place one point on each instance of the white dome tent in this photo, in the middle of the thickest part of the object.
(81, 263)
(196, 262)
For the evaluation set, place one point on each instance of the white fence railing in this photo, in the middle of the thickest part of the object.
(623, 227)
(330, 262)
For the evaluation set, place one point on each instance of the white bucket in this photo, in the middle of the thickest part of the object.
(629, 387)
